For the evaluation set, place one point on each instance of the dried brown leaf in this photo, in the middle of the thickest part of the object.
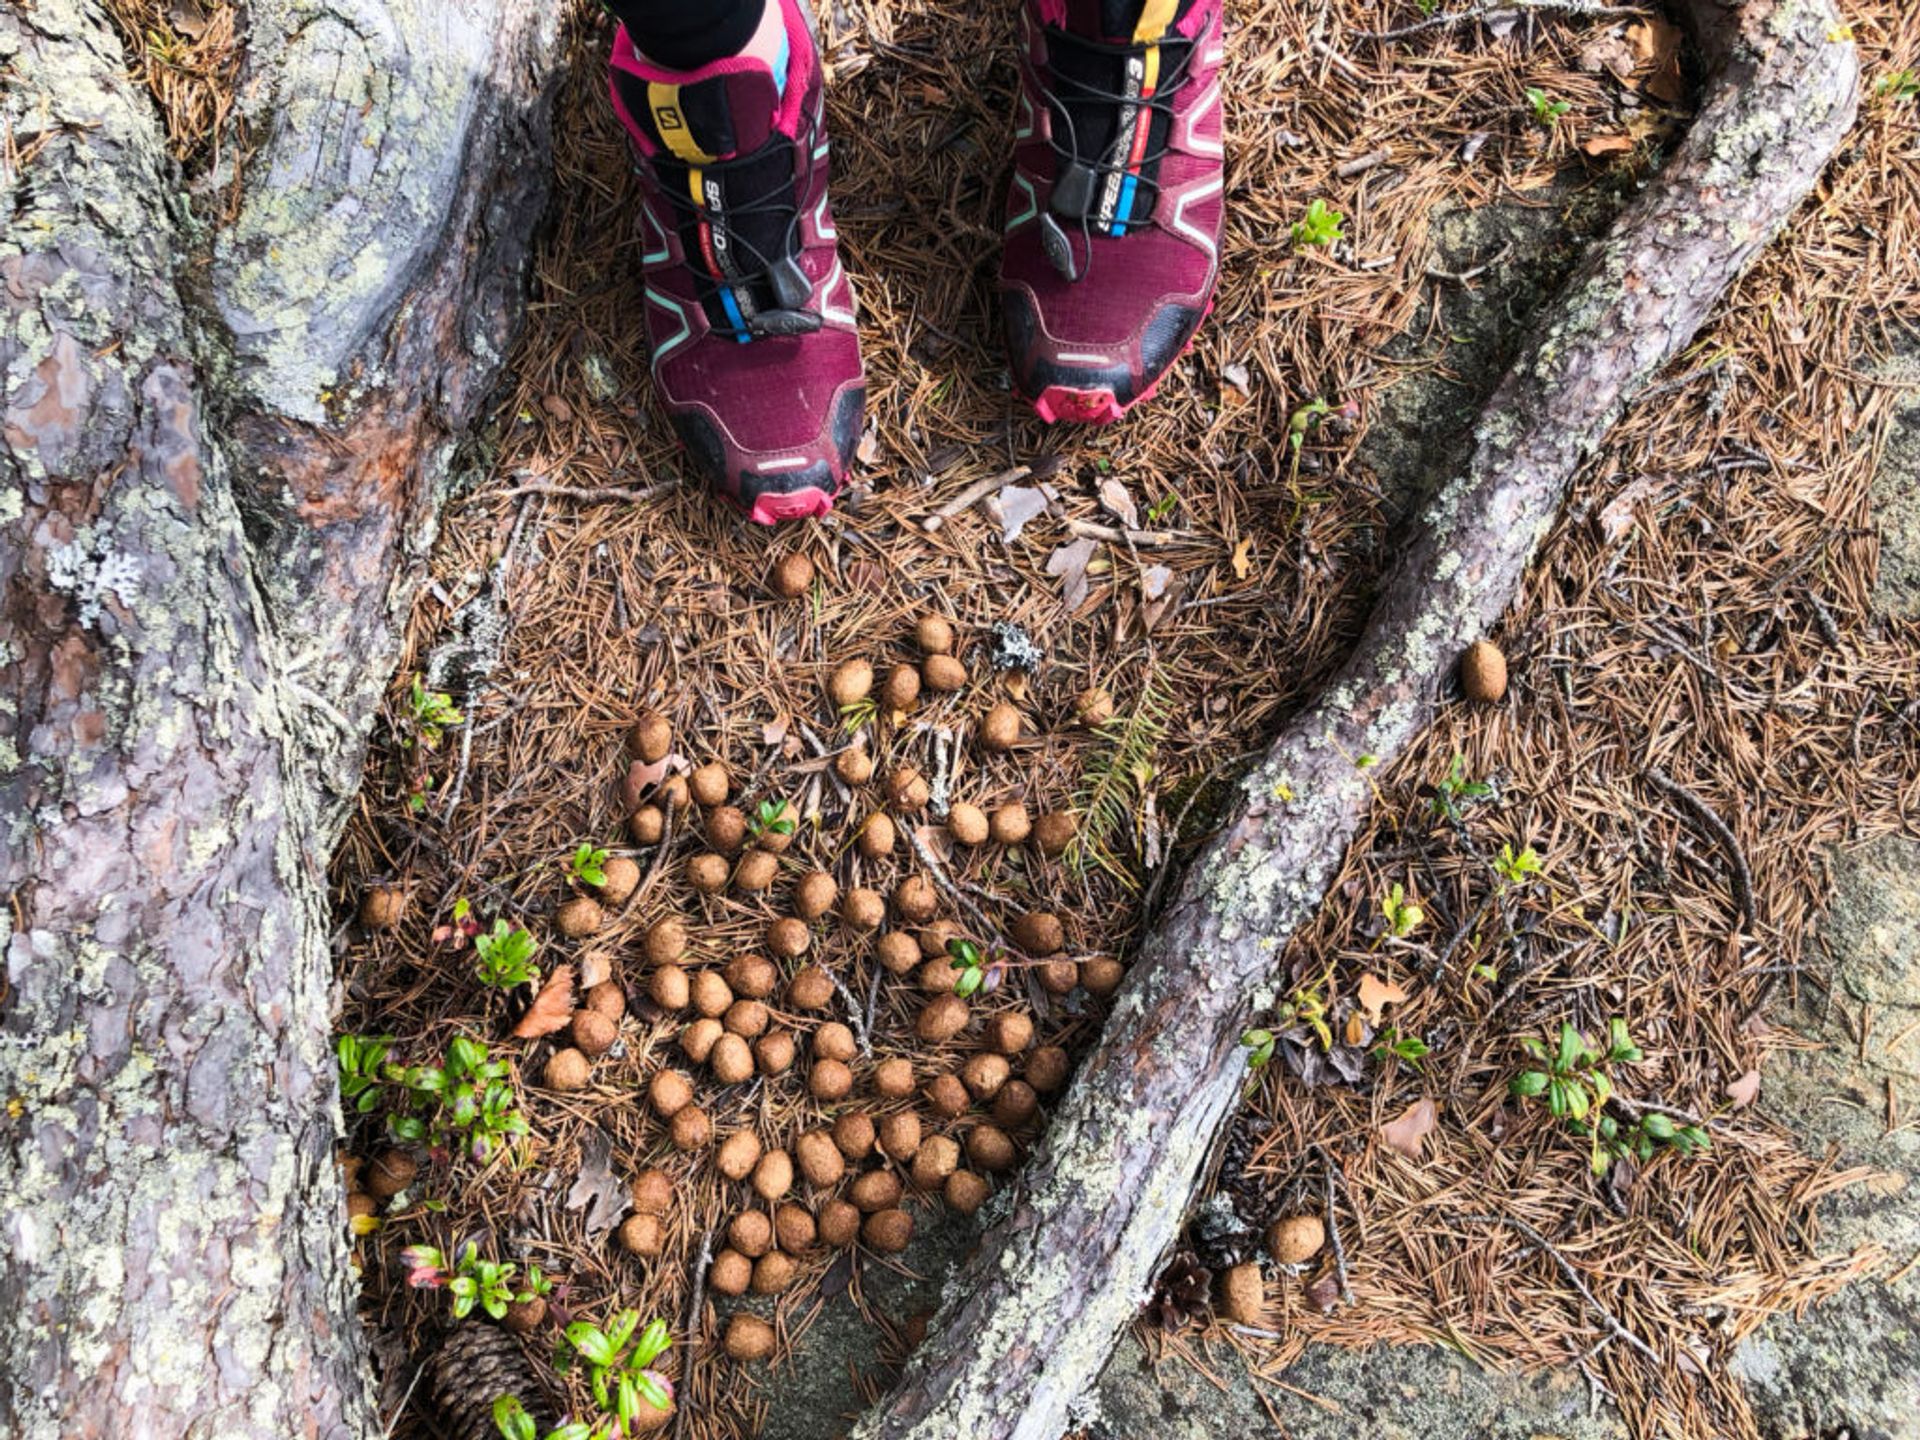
(1376, 994)
(1408, 1133)
(552, 1008)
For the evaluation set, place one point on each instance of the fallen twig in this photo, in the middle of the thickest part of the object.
(1145, 539)
(1579, 9)
(1717, 829)
(973, 495)
(591, 494)
(696, 1296)
(1572, 1277)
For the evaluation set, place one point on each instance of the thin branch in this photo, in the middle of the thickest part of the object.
(1578, 9)
(1716, 828)
(697, 1295)
(1572, 1277)
(1145, 539)
(972, 495)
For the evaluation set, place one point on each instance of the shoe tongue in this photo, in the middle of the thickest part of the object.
(716, 116)
(1116, 22)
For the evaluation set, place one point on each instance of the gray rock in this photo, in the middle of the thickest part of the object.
(1896, 500)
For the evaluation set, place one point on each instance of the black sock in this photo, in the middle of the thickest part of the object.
(683, 36)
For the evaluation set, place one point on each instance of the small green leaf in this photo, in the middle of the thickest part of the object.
(591, 1342)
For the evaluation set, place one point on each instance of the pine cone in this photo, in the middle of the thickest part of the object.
(474, 1366)
(1219, 1236)
(1184, 1293)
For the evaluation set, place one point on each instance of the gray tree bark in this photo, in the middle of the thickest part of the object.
(1031, 1319)
(221, 447)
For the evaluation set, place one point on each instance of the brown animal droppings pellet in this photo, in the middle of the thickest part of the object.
(382, 906)
(773, 1273)
(690, 1129)
(933, 635)
(1038, 932)
(1094, 707)
(751, 1233)
(792, 576)
(850, 683)
(568, 1070)
(814, 895)
(943, 673)
(937, 1158)
(893, 1078)
(592, 1032)
(1483, 672)
(609, 999)
(966, 1192)
(757, 871)
(1243, 1293)
(578, 918)
(709, 993)
(875, 1190)
(947, 1095)
(944, 1017)
(907, 790)
(1101, 976)
(753, 976)
(777, 833)
(620, 877)
(915, 900)
(937, 977)
(1053, 832)
(983, 1075)
(793, 1229)
(746, 1018)
(697, 1040)
(888, 1231)
(811, 988)
(967, 824)
(1296, 1239)
(749, 1337)
(999, 728)
(737, 1155)
(1058, 976)
(854, 1135)
(731, 1060)
(877, 836)
(935, 937)
(726, 829)
(709, 784)
(897, 951)
(862, 909)
(650, 738)
(524, 1316)
(854, 767)
(1046, 1069)
(900, 1136)
(707, 873)
(1015, 1105)
(647, 825)
(829, 1080)
(674, 794)
(788, 937)
(669, 1092)
(839, 1223)
(821, 1160)
(652, 1192)
(991, 1148)
(774, 1052)
(773, 1176)
(666, 940)
(1009, 825)
(643, 1235)
(390, 1173)
(1010, 1032)
(731, 1273)
(902, 688)
(834, 1041)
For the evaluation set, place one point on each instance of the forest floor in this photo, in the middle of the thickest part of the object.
(1706, 608)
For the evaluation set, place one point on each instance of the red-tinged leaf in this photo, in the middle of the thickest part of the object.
(551, 1009)
(1323, 1291)
(641, 778)
(1742, 1091)
(1408, 1134)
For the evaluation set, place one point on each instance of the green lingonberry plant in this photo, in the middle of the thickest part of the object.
(362, 1069)
(1899, 85)
(770, 818)
(589, 865)
(504, 956)
(1404, 916)
(1517, 867)
(618, 1365)
(430, 714)
(1576, 1080)
(471, 1281)
(1546, 109)
(1410, 1048)
(1455, 793)
(971, 962)
(1321, 225)
(467, 1101)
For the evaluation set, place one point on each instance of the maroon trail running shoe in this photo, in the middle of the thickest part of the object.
(749, 314)
(1113, 218)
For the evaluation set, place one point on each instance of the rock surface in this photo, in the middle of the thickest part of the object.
(1896, 499)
